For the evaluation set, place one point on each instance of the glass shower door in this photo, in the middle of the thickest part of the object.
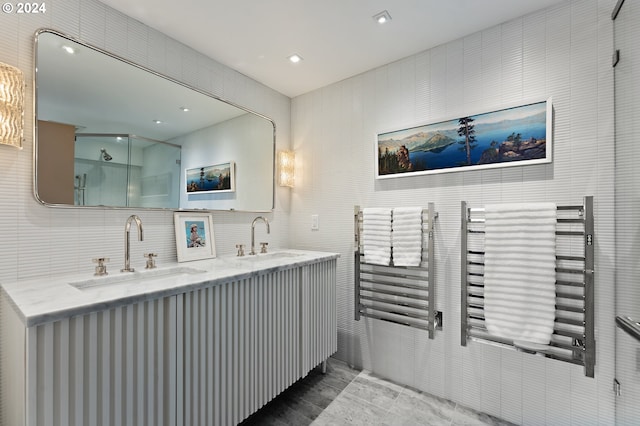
(154, 175)
(101, 168)
(627, 182)
(126, 171)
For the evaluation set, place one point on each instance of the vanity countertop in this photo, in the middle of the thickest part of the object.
(50, 298)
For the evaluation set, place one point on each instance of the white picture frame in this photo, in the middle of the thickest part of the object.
(194, 236)
(515, 135)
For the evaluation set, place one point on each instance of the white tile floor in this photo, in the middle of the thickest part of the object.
(345, 396)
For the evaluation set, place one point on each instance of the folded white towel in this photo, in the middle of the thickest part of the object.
(408, 247)
(408, 211)
(376, 213)
(406, 259)
(401, 225)
(374, 227)
(519, 271)
(403, 232)
(376, 235)
(407, 236)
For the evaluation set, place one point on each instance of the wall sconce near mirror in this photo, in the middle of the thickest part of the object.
(11, 105)
(286, 168)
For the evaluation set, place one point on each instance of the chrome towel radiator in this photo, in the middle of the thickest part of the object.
(400, 294)
(573, 339)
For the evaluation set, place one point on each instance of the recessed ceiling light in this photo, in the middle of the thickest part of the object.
(295, 58)
(70, 50)
(382, 17)
(157, 121)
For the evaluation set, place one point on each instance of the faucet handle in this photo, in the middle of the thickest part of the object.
(264, 247)
(101, 268)
(151, 263)
(240, 248)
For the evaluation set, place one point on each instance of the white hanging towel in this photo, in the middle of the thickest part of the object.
(519, 272)
(406, 236)
(376, 235)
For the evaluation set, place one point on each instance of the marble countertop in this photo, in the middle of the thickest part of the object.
(46, 299)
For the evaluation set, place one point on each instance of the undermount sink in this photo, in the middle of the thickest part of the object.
(142, 275)
(271, 256)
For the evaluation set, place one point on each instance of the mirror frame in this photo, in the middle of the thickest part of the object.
(154, 73)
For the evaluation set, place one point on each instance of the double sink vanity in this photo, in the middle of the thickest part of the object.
(200, 342)
(204, 342)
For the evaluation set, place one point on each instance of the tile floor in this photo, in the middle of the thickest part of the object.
(344, 396)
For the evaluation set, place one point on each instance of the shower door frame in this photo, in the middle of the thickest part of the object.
(626, 63)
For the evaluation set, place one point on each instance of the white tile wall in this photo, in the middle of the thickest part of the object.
(35, 240)
(562, 52)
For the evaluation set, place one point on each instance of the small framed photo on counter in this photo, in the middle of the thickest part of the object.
(194, 236)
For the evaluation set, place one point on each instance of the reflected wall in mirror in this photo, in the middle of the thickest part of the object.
(112, 133)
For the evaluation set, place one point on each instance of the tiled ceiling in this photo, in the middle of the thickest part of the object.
(336, 38)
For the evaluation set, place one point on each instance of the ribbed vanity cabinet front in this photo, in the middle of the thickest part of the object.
(241, 346)
(209, 356)
(114, 367)
(319, 333)
(247, 341)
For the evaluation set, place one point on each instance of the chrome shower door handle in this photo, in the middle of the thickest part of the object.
(629, 325)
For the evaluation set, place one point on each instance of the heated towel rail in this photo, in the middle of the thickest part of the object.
(400, 294)
(573, 339)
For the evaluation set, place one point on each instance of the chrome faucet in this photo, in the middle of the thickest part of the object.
(127, 232)
(253, 228)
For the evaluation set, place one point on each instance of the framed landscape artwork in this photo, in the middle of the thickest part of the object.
(508, 137)
(211, 179)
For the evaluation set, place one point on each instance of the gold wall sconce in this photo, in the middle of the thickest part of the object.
(286, 168)
(11, 105)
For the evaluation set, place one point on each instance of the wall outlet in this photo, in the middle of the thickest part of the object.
(315, 224)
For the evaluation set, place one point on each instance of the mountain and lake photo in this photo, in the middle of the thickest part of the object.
(504, 136)
(212, 178)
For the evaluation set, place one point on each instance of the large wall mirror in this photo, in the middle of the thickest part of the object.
(112, 133)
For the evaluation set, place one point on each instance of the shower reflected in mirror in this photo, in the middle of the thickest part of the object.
(105, 155)
(125, 170)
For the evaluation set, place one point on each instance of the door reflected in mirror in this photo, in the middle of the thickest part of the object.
(112, 133)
